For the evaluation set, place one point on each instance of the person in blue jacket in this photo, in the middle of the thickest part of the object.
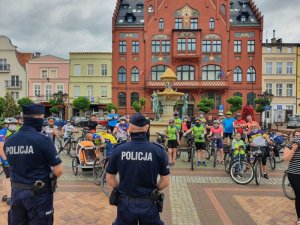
(34, 164)
(138, 162)
(112, 120)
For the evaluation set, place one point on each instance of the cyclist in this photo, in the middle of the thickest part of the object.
(209, 123)
(173, 141)
(112, 120)
(121, 130)
(178, 123)
(19, 118)
(186, 124)
(201, 117)
(67, 129)
(199, 131)
(258, 139)
(221, 117)
(238, 146)
(239, 125)
(92, 123)
(216, 132)
(10, 127)
(51, 130)
(228, 125)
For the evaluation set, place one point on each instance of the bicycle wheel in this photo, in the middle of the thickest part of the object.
(104, 186)
(178, 152)
(192, 157)
(287, 188)
(272, 161)
(58, 146)
(279, 158)
(97, 170)
(241, 172)
(208, 151)
(72, 152)
(257, 172)
(75, 163)
(189, 153)
(215, 152)
(227, 162)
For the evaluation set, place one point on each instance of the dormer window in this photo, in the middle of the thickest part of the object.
(150, 9)
(243, 18)
(129, 19)
(139, 7)
(125, 5)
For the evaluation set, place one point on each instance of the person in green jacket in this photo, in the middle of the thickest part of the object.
(178, 123)
(199, 131)
(173, 141)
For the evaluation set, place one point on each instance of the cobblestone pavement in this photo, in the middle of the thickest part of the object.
(205, 196)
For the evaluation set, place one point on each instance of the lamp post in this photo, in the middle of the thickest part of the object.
(267, 98)
(61, 99)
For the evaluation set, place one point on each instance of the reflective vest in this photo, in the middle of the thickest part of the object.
(236, 144)
(171, 132)
(178, 123)
(199, 133)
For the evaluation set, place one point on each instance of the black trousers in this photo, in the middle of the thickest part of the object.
(295, 183)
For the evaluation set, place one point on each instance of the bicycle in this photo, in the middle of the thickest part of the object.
(214, 151)
(271, 158)
(241, 171)
(104, 186)
(286, 187)
(67, 144)
(161, 139)
(191, 150)
(257, 164)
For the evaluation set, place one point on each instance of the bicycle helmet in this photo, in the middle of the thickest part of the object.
(10, 120)
(123, 118)
(216, 121)
(228, 113)
(17, 117)
(51, 118)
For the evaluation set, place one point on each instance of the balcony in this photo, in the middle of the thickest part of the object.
(4, 68)
(190, 84)
(13, 84)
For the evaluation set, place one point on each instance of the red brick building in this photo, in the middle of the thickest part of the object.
(214, 47)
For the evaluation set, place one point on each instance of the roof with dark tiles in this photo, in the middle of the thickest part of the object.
(131, 13)
(242, 13)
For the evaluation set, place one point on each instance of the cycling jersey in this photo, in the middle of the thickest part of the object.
(216, 132)
(178, 123)
(228, 125)
(236, 144)
(68, 129)
(171, 132)
(48, 130)
(199, 133)
(122, 131)
(239, 130)
(258, 138)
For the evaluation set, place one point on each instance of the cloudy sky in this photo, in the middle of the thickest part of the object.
(61, 26)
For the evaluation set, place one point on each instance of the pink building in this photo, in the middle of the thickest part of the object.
(46, 76)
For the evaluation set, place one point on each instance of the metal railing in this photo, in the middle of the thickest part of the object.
(5, 67)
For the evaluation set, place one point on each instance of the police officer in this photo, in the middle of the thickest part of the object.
(33, 159)
(138, 162)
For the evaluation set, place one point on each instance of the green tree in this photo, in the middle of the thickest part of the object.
(82, 103)
(236, 103)
(2, 105)
(10, 108)
(111, 106)
(24, 101)
(54, 109)
(137, 107)
(142, 102)
(205, 105)
(261, 103)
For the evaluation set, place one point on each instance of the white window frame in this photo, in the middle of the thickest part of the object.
(90, 90)
(77, 69)
(75, 90)
(289, 69)
(50, 73)
(103, 93)
(42, 75)
(90, 69)
(269, 88)
(48, 97)
(279, 68)
(103, 69)
(269, 69)
(34, 89)
(290, 89)
(279, 90)
(63, 88)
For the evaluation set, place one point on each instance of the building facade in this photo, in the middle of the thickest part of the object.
(280, 77)
(46, 76)
(214, 47)
(90, 76)
(12, 69)
(298, 80)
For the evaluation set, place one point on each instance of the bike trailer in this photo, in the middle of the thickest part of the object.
(87, 152)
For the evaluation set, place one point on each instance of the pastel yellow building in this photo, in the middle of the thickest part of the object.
(91, 77)
(279, 71)
(298, 79)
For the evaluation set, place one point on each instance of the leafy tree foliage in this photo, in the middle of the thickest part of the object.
(262, 102)
(138, 105)
(236, 103)
(111, 106)
(82, 103)
(24, 101)
(10, 107)
(2, 105)
(205, 105)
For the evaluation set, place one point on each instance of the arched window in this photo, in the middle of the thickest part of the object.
(150, 9)
(211, 24)
(157, 71)
(122, 99)
(135, 97)
(122, 75)
(186, 72)
(251, 98)
(223, 10)
(238, 94)
(237, 75)
(135, 75)
(211, 72)
(251, 74)
(161, 24)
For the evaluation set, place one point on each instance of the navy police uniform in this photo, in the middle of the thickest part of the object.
(138, 162)
(31, 155)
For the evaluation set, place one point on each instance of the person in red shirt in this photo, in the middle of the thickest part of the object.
(251, 122)
(239, 125)
(186, 124)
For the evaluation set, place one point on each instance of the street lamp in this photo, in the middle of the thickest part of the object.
(267, 98)
(61, 99)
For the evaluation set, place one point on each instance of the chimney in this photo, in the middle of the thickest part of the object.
(37, 55)
(273, 40)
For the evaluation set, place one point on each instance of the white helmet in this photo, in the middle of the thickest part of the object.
(10, 120)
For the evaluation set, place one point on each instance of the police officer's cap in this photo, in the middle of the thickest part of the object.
(138, 120)
(32, 109)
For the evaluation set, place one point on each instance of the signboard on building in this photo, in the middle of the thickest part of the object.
(279, 116)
